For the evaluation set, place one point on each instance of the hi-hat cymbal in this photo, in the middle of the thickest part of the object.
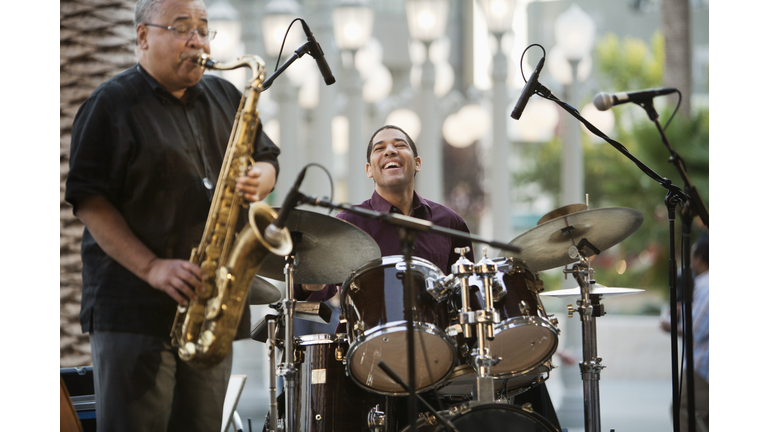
(262, 292)
(596, 289)
(325, 249)
(548, 245)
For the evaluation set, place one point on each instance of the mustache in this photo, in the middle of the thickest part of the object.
(190, 54)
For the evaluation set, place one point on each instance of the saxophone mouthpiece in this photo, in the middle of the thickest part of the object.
(204, 61)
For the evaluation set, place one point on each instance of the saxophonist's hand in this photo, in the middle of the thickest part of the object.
(258, 182)
(177, 278)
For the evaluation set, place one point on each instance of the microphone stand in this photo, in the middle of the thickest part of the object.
(674, 196)
(691, 208)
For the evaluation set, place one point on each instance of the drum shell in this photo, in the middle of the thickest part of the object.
(327, 399)
(524, 340)
(373, 302)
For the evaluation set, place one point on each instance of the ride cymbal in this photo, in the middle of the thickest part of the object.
(549, 244)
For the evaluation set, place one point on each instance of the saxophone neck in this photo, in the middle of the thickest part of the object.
(254, 62)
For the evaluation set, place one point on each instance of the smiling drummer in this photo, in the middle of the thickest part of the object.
(392, 163)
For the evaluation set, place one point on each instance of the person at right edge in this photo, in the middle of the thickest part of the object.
(700, 315)
(392, 163)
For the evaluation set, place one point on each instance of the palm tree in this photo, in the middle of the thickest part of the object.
(96, 43)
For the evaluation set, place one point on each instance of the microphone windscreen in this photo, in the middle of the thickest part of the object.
(602, 101)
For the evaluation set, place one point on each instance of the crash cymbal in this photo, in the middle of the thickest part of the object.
(325, 249)
(562, 211)
(548, 245)
(596, 289)
(262, 292)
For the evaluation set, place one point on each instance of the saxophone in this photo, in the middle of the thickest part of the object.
(203, 331)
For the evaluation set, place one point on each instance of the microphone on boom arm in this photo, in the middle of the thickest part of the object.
(604, 101)
(317, 53)
(531, 87)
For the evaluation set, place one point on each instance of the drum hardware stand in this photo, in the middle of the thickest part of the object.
(396, 378)
(589, 309)
(288, 370)
(485, 320)
(271, 350)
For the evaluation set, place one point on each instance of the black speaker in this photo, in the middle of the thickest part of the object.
(79, 382)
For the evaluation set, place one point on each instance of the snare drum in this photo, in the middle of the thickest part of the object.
(493, 417)
(373, 302)
(328, 400)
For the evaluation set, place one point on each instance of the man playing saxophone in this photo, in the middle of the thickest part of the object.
(146, 151)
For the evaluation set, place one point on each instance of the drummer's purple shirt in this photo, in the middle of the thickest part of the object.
(434, 247)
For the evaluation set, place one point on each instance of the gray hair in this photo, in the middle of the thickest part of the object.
(145, 9)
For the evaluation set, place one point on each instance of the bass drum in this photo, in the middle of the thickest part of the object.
(373, 302)
(328, 400)
(494, 417)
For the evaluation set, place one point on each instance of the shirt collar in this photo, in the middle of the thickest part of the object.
(192, 92)
(421, 208)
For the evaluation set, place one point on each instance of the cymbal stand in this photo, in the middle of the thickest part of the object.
(272, 351)
(288, 370)
(589, 309)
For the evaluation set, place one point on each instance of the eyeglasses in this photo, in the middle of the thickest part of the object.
(185, 31)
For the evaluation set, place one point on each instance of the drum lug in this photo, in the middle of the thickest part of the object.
(527, 407)
(377, 420)
(553, 320)
(536, 287)
(353, 286)
(339, 354)
(358, 329)
(524, 308)
(298, 357)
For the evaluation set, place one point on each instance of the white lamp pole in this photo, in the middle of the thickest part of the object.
(498, 17)
(353, 26)
(575, 35)
(427, 20)
(319, 145)
(278, 14)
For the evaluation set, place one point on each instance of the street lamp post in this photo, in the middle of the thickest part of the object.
(427, 20)
(575, 35)
(278, 15)
(498, 17)
(353, 26)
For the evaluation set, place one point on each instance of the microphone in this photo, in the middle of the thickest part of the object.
(272, 234)
(604, 101)
(317, 53)
(530, 88)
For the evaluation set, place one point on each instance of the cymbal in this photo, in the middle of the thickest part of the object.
(262, 292)
(562, 211)
(547, 245)
(596, 289)
(325, 249)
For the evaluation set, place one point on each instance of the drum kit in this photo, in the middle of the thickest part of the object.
(480, 335)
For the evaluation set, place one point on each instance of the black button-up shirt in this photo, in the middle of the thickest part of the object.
(150, 154)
